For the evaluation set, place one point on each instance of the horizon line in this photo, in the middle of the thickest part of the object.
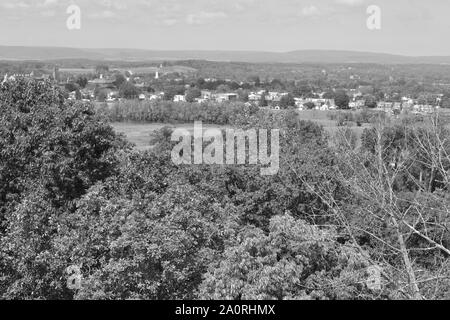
(225, 50)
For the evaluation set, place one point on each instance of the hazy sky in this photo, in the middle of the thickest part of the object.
(414, 27)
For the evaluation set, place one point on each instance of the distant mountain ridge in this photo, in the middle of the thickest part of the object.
(300, 56)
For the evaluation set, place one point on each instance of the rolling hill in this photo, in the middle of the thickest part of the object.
(301, 56)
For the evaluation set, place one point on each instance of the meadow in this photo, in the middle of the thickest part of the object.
(139, 133)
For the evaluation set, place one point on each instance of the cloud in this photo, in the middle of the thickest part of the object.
(169, 22)
(106, 14)
(350, 3)
(310, 11)
(204, 17)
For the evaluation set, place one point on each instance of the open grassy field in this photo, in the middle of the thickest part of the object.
(149, 70)
(139, 133)
(77, 71)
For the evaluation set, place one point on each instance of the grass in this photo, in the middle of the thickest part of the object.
(77, 71)
(139, 133)
(148, 70)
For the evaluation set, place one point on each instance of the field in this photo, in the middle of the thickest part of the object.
(149, 70)
(139, 133)
(77, 71)
(134, 70)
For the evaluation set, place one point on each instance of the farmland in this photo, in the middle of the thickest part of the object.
(139, 133)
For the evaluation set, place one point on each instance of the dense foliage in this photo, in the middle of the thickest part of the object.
(173, 112)
(73, 193)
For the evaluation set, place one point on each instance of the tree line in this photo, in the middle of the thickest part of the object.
(173, 112)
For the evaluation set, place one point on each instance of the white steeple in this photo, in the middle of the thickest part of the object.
(5, 78)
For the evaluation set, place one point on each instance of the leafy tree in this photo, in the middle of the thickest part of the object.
(263, 102)
(243, 95)
(101, 94)
(294, 261)
(329, 95)
(341, 99)
(52, 152)
(310, 105)
(70, 87)
(82, 82)
(255, 79)
(101, 69)
(371, 101)
(287, 101)
(129, 91)
(119, 80)
(78, 95)
(192, 94)
(223, 88)
(154, 244)
(172, 90)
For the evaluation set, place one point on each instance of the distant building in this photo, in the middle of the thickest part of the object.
(179, 98)
(222, 97)
(56, 75)
(318, 103)
(254, 97)
(275, 96)
(201, 100)
(206, 94)
(101, 82)
(29, 76)
(154, 97)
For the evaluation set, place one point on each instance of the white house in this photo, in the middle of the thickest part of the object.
(179, 98)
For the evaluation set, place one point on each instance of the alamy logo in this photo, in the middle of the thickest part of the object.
(74, 278)
(74, 20)
(374, 19)
(374, 280)
(191, 150)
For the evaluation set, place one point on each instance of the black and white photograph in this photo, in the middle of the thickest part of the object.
(247, 152)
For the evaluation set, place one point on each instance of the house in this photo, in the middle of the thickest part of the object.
(383, 105)
(201, 100)
(352, 105)
(31, 75)
(397, 106)
(140, 85)
(154, 97)
(324, 108)
(358, 104)
(261, 92)
(205, 94)
(254, 97)
(275, 96)
(179, 98)
(424, 109)
(101, 82)
(329, 103)
(72, 95)
(222, 97)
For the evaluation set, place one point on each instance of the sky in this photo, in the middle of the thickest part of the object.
(409, 27)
